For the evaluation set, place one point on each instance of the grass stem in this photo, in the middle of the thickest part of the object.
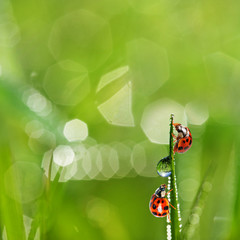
(174, 214)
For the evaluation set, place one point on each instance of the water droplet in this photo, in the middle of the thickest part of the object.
(164, 168)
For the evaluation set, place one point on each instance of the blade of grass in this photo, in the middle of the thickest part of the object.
(198, 204)
(11, 210)
(174, 214)
(235, 231)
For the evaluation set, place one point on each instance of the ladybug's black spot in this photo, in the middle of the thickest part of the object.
(160, 214)
(165, 208)
(154, 206)
(162, 201)
(186, 148)
(190, 142)
(180, 148)
(158, 201)
(154, 213)
(183, 141)
(164, 214)
(187, 140)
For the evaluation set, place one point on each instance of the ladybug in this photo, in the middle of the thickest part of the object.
(159, 204)
(183, 139)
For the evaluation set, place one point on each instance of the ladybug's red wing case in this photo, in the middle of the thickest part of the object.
(159, 207)
(184, 144)
(184, 138)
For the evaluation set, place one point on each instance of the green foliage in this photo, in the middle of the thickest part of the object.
(121, 67)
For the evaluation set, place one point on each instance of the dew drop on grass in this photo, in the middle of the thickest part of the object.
(164, 168)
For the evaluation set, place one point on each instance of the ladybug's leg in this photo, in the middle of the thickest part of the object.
(174, 136)
(169, 192)
(172, 206)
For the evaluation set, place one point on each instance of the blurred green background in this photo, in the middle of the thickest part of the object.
(88, 86)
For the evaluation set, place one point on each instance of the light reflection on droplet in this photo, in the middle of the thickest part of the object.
(117, 110)
(156, 117)
(63, 155)
(164, 167)
(112, 76)
(197, 112)
(75, 130)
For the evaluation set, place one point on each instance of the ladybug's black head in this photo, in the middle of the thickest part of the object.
(161, 191)
(182, 131)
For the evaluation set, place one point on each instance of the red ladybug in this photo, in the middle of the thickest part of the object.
(183, 139)
(159, 205)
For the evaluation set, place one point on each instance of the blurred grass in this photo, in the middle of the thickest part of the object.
(176, 51)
